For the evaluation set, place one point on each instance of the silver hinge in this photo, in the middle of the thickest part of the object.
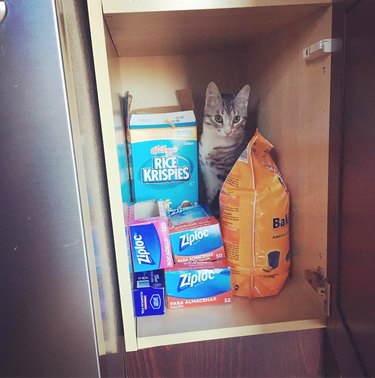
(322, 47)
(320, 284)
(3, 10)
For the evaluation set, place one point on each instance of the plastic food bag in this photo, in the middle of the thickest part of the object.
(254, 214)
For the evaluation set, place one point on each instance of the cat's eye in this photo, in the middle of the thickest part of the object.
(236, 119)
(218, 118)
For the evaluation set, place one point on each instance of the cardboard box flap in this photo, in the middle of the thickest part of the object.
(156, 110)
(184, 99)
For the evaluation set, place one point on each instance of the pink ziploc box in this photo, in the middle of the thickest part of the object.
(198, 283)
(147, 226)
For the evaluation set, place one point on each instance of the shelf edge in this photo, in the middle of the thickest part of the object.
(140, 6)
(223, 333)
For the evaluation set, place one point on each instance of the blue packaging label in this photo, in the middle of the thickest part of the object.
(148, 301)
(166, 169)
(151, 278)
(202, 283)
(146, 248)
(169, 176)
(196, 241)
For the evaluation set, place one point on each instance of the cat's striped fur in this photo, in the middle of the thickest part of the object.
(223, 138)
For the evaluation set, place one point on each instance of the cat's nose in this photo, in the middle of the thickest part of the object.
(227, 130)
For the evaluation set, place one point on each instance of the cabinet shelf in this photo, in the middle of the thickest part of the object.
(140, 6)
(296, 307)
(143, 31)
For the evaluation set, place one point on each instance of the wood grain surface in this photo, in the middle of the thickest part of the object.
(290, 354)
(351, 326)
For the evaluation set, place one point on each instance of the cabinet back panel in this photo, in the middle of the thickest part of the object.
(289, 104)
(153, 80)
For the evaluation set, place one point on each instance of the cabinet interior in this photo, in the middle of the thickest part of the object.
(153, 53)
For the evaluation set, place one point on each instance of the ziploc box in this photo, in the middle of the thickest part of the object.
(147, 229)
(195, 235)
(148, 292)
(198, 283)
(163, 154)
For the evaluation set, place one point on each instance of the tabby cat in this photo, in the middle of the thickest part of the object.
(223, 138)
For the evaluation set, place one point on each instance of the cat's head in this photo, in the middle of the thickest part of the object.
(226, 113)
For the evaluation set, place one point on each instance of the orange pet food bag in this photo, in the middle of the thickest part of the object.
(254, 216)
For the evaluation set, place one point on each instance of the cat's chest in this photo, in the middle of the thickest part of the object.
(210, 141)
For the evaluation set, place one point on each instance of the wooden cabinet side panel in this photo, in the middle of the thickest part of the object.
(107, 113)
(291, 100)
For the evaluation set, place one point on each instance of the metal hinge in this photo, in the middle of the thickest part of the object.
(322, 47)
(3, 10)
(319, 283)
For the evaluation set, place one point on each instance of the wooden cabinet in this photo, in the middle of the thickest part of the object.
(153, 48)
(289, 103)
(285, 354)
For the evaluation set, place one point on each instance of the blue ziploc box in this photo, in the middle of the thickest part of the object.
(152, 278)
(195, 235)
(164, 157)
(198, 283)
(148, 235)
(148, 293)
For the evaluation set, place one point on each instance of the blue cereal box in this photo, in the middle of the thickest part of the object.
(163, 154)
(195, 235)
(198, 283)
(147, 230)
(148, 293)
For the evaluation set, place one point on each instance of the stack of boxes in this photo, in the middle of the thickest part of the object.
(176, 247)
(150, 247)
(177, 256)
(201, 274)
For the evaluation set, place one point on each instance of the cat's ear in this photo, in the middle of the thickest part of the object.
(243, 95)
(213, 96)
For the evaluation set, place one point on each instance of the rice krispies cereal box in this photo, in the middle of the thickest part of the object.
(164, 158)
